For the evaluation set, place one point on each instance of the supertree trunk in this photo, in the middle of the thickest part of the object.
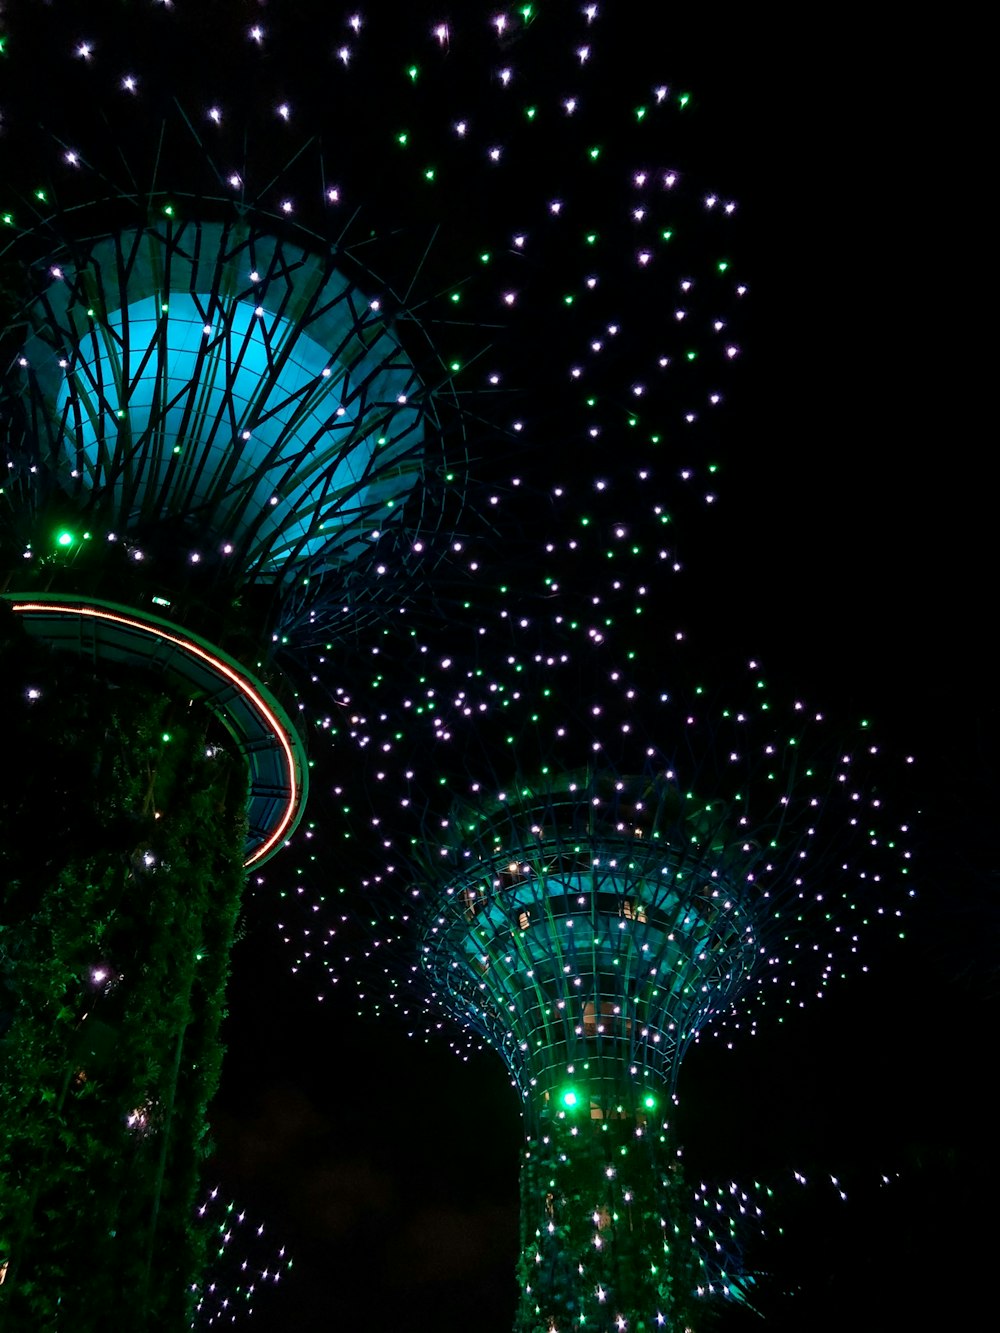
(123, 875)
(604, 1216)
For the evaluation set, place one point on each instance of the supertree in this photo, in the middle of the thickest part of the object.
(235, 428)
(586, 881)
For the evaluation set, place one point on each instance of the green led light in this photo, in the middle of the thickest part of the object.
(570, 1099)
(64, 539)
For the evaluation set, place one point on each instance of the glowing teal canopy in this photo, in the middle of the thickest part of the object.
(218, 376)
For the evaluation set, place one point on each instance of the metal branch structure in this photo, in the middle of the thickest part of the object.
(205, 420)
(215, 381)
(228, 412)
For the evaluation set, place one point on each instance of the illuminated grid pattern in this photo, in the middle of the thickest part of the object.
(598, 934)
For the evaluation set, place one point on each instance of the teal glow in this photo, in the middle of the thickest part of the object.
(302, 407)
(256, 393)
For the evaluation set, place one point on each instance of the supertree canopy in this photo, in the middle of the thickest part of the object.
(208, 381)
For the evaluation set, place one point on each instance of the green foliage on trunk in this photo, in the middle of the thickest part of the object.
(120, 883)
(605, 1223)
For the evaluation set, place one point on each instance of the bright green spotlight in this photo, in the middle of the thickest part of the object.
(570, 1099)
(649, 1102)
(64, 539)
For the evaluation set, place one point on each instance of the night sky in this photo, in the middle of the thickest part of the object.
(851, 551)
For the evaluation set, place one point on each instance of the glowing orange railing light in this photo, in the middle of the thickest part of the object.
(219, 667)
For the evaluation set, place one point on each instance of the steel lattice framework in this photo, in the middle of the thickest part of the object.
(601, 934)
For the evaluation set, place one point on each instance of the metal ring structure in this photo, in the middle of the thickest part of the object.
(274, 753)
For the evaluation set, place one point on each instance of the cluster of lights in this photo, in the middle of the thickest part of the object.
(244, 1263)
